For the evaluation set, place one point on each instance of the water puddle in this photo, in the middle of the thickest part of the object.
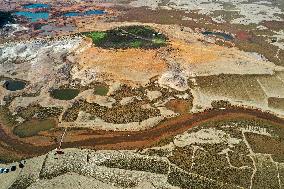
(94, 12)
(64, 94)
(33, 16)
(34, 126)
(86, 13)
(101, 90)
(71, 14)
(225, 36)
(5, 18)
(36, 6)
(14, 85)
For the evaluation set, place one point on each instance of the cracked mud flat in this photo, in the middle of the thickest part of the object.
(196, 111)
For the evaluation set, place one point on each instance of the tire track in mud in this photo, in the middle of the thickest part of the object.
(140, 139)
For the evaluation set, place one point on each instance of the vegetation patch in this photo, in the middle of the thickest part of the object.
(216, 166)
(127, 91)
(267, 145)
(188, 180)
(39, 112)
(242, 87)
(128, 37)
(132, 112)
(182, 157)
(33, 127)
(220, 104)
(6, 117)
(275, 102)
(140, 164)
(260, 45)
(239, 156)
(266, 175)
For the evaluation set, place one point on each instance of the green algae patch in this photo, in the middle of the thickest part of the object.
(97, 36)
(101, 90)
(65, 94)
(128, 37)
(34, 126)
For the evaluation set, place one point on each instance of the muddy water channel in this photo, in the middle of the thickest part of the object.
(141, 139)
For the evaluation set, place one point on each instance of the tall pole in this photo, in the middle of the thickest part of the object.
(62, 137)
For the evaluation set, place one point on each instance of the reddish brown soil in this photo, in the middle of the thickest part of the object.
(161, 16)
(136, 139)
(273, 25)
(179, 106)
(242, 35)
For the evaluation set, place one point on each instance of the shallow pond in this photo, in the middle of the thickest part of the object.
(33, 16)
(71, 14)
(14, 85)
(64, 94)
(96, 12)
(5, 18)
(225, 36)
(36, 6)
(87, 13)
(34, 126)
(101, 90)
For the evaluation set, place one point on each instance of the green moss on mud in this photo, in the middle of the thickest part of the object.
(128, 37)
(33, 127)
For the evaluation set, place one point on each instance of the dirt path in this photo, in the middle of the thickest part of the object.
(139, 139)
